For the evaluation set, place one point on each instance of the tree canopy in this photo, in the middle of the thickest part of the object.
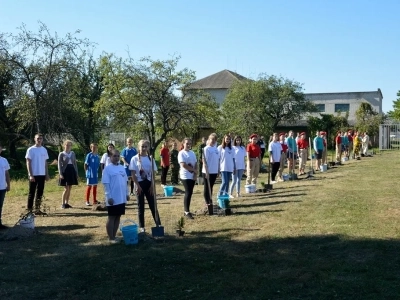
(395, 113)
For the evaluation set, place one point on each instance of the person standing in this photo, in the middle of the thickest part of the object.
(338, 142)
(325, 152)
(275, 151)
(68, 172)
(240, 154)
(210, 170)
(291, 151)
(283, 156)
(38, 172)
(350, 139)
(318, 144)
(365, 144)
(106, 158)
(226, 164)
(253, 160)
(200, 154)
(92, 163)
(142, 174)
(261, 144)
(357, 145)
(302, 145)
(126, 155)
(4, 184)
(188, 174)
(174, 163)
(116, 193)
(345, 144)
(164, 156)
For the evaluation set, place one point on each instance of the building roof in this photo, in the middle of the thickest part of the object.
(337, 93)
(221, 80)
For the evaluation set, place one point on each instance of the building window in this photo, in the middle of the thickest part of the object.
(320, 107)
(342, 107)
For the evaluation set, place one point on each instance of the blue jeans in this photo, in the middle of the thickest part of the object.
(2, 196)
(223, 189)
(236, 177)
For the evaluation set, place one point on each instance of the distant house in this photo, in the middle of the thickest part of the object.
(333, 103)
(217, 85)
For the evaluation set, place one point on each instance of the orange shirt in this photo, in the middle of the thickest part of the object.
(302, 144)
(253, 150)
(164, 153)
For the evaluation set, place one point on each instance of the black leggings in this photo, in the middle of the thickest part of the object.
(212, 178)
(146, 186)
(275, 169)
(188, 184)
(164, 172)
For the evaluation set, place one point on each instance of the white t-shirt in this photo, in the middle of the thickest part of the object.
(240, 154)
(115, 177)
(227, 159)
(38, 157)
(276, 149)
(211, 156)
(189, 158)
(105, 159)
(142, 166)
(4, 166)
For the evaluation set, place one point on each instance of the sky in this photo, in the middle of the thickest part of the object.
(328, 46)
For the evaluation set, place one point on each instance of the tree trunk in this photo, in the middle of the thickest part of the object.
(13, 154)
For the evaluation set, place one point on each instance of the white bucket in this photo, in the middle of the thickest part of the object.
(323, 167)
(250, 188)
(28, 223)
(285, 177)
(200, 180)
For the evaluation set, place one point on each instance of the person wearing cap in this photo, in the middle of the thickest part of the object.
(291, 151)
(338, 142)
(283, 155)
(345, 144)
(253, 160)
(318, 144)
(302, 145)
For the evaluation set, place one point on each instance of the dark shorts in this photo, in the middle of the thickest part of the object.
(319, 154)
(291, 155)
(116, 210)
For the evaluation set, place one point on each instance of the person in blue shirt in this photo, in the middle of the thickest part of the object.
(291, 151)
(318, 144)
(92, 164)
(126, 155)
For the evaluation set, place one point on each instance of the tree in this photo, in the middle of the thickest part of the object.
(148, 97)
(395, 113)
(264, 104)
(368, 120)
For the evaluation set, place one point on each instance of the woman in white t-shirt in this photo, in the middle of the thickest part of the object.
(4, 183)
(142, 170)
(188, 173)
(226, 164)
(240, 154)
(210, 169)
(105, 159)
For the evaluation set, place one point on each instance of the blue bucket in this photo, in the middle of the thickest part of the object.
(129, 232)
(223, 201)
(168, 191)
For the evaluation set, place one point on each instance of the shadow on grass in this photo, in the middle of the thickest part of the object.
(229, 263)
(255, 212)
(263, 203)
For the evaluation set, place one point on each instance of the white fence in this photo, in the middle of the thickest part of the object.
(389, 137)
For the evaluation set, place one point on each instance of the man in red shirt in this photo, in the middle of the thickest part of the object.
(253, 160)
(338, 141)
(302, 146)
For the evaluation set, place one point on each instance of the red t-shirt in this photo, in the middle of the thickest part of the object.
(164, 153)
(350, 138)
(284, 147)
(338, 140)
(253, 150)
(302, 144)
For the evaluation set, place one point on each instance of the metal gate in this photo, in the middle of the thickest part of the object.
(389, 137)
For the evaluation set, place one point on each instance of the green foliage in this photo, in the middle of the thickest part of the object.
(261, 105)
(368, 120)
(180, 224)
(395, 113)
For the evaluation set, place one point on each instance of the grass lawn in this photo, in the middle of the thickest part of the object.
(335, 237)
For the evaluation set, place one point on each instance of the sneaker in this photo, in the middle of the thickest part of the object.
(87, 203)
(62, 206)
(231, 196)
(67, 205)
(132, 194)
(113, 241)
(273, 182)
(189, 216)
(142, 230)
(237, 195)
(2, 227)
